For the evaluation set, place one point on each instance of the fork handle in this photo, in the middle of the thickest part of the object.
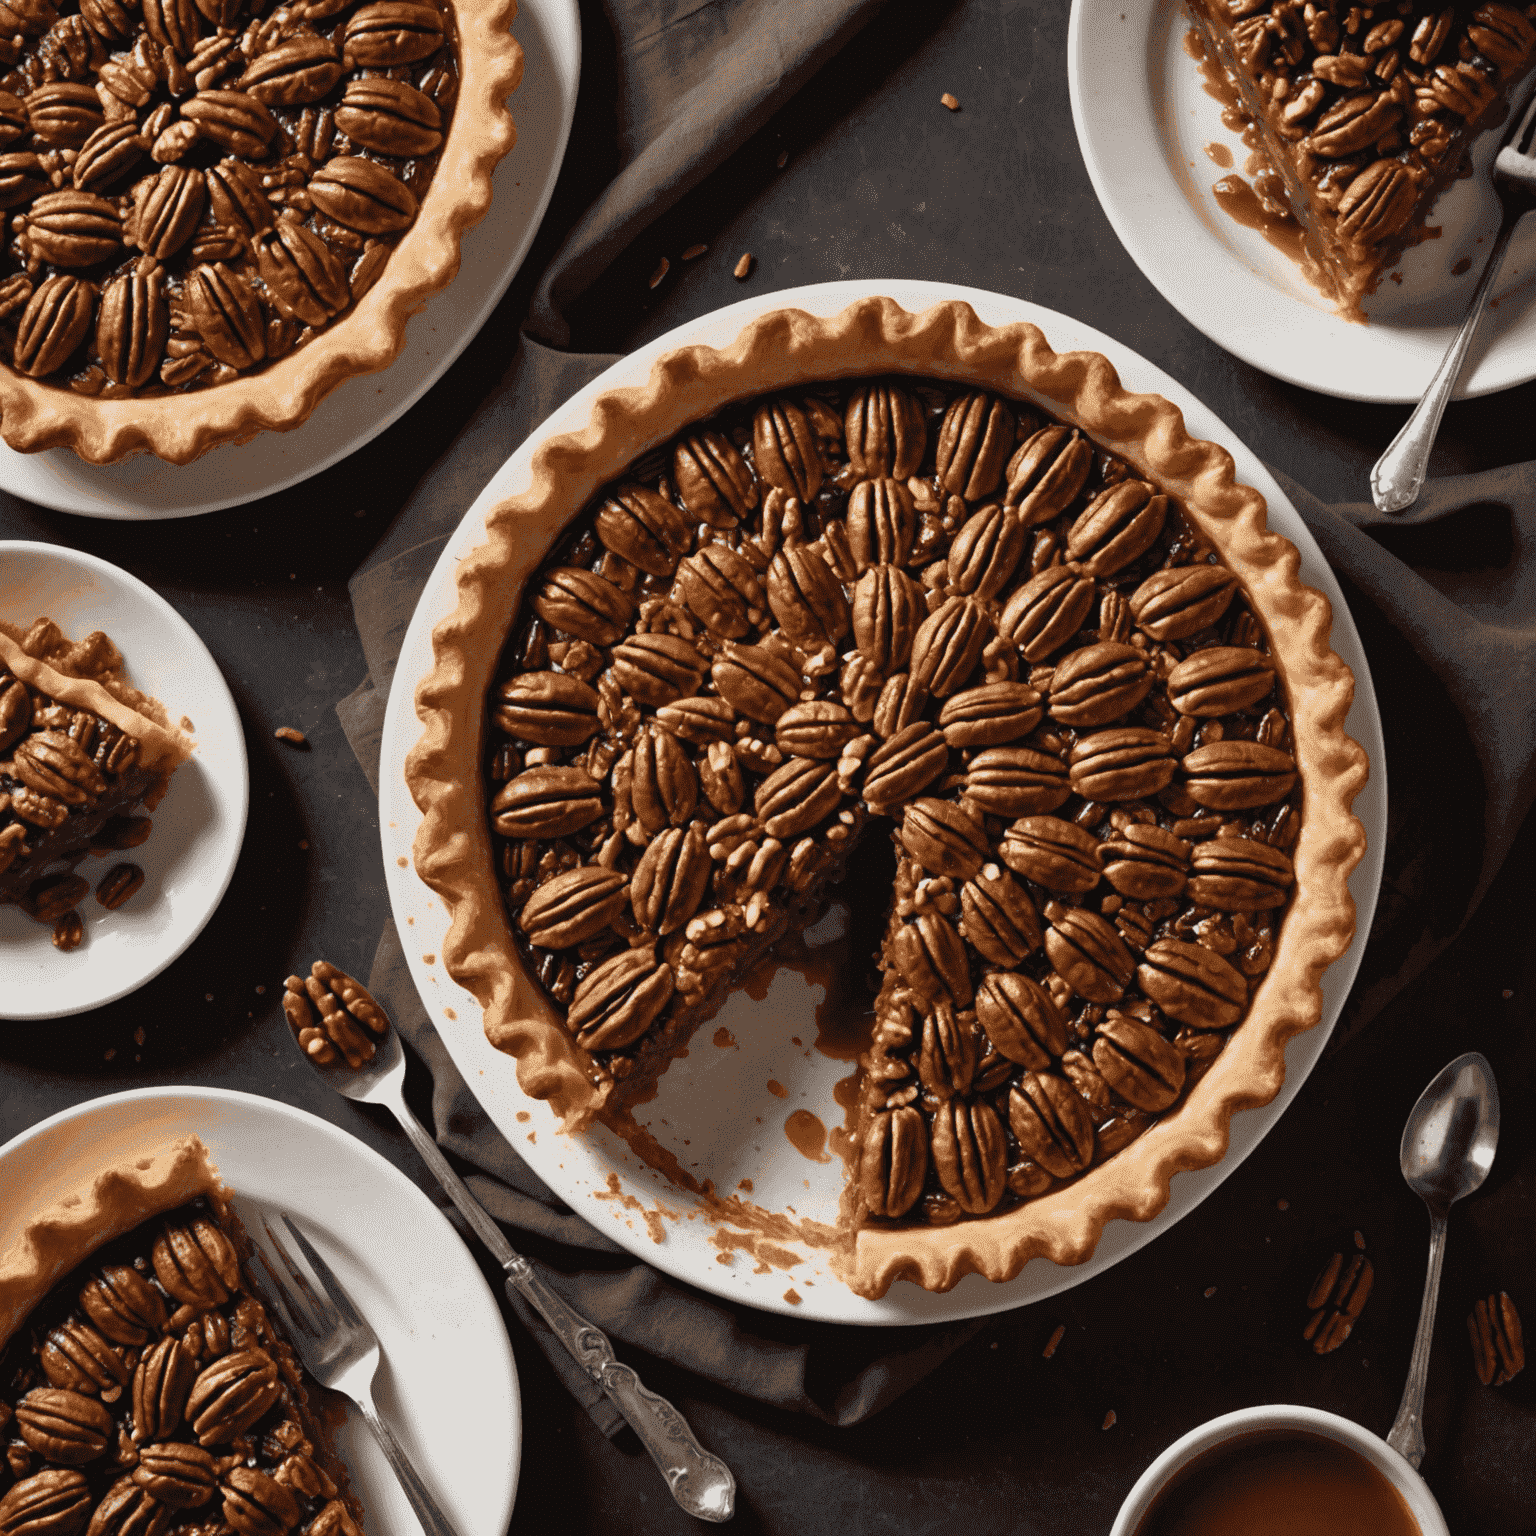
(700, 1482)
(1398, 476)
(433, 1521)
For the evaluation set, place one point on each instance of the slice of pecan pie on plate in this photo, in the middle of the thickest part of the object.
(147, 1387)
(910, 582)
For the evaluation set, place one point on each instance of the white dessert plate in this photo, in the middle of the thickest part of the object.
(725, 1107)
(143, 487)
(199, 825)
(1144, 122)
(448, 1383)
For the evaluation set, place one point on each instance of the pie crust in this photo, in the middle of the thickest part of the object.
(35, 416)
(111, 1204)
(453, 851)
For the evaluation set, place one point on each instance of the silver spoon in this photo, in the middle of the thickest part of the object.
(1447, 1150)
(700, 1482)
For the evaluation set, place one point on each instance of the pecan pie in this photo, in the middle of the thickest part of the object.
(143, 1387)
(80, 753)
(904, 578)
(217, 212)
(1366, 113)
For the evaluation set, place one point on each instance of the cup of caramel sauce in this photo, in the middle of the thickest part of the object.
(1280, 1471)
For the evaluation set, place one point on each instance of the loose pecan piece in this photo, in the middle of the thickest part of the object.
(1336, 1299)
(1498, 1341)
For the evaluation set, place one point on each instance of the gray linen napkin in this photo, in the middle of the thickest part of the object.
(1452, 670)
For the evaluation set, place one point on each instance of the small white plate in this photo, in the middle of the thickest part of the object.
(448, 1382)
(143, 487)
(199, 825)
(722, 1108)
(1143, 122)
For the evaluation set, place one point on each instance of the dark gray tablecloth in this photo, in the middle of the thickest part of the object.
(693, 82)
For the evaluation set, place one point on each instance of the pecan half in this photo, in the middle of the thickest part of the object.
(231, 1394)
(1088, 953)
(1182, 600)
(161, 1384)
(123, 1305)
(713, 480)
(970, 1154)
(1337, 1298)
(390, 116)
(932, 961)
(1137, 1062)
(1051, 1123)
(1047, 611)
(258, 1505)
(65, 1427)
(546, 802)
(986, 551)
(550, 709)
(1237, 874)
(1146, 862)
(618, 1001)
(576, 905)
(1238, 775)
(884, 431)
(887, 612)
(1016, 781)
(637, 523)
(997, 917)
(55, 1502)
(1192, 984)
(179, 1475)
(196, 1263)
(669, 881)
(944, 838)
(362, 195)
(1060, 855)
(1498, 1342)
(391, 32)
(975, 440)
(881, 522)
(893, 1161)
(722, 589)
(948, 644)
(132, 326)
(904, 765)
(1021, 1019)
(990, 714)
(76, 1356)
(1126, 763)
(1048, 473)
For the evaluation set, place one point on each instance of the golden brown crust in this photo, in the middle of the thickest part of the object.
(111, 1202)
(452, 847)
(35, 416)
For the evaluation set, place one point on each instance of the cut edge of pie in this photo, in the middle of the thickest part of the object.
(110, 1204)
(452, 848)
(35, 416)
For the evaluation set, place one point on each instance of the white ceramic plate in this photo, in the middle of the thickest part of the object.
(447, 1385)
(199, 825)
(1143, 123)
(723, 1108)
(143, 487)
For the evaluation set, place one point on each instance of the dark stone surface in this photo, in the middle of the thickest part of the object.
(880, 179)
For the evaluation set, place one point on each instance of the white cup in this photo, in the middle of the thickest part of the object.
(1281, 1418)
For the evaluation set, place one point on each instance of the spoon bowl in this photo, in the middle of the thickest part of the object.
(1452, 1133)
(1446, 1152)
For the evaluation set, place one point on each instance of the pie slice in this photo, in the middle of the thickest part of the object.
(918, 598)
(1366, 113)
(144, 1389)
(81, 751)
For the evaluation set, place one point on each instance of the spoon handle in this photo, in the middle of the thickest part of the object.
(1407, 1433)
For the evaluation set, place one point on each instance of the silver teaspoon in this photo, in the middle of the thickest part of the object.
(700, 1482)
(1447, 1150)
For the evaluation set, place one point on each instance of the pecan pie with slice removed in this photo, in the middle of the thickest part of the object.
(82, 756)
(912, 587)
(1366, 114)
(220, 211)
(143, 1386)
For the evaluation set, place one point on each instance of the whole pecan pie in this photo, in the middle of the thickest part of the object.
(1366, 113)
(143, 1387)
(908, 579)
(81, 752)
(217, 211)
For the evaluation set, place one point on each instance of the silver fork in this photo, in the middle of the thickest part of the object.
(1399, 473)
(342, 1353)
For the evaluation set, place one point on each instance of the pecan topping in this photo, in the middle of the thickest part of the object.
(1128, 763)
(1377, 203)
(546, 802)
(970, 1155)
(182, 1476)
(1220, 680)
(129, 1510)
(887, 612)
(722, 589)
(1337, 1298)
(56, 1502)
(755, 682)
(670, 879)
(617, 1002)
(1051, 1123)
(132, 326)
(893, 1161)
(1498, 1342)
(362, 195)
(123, 1306)
(54, 763)
(231, 1394)
(975, 440)
(78, 1357)
(807, 598)
(884, 432)
(391, 32)
(986, 551)
(881, 522)
(66, 1427)
(161, 1384)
